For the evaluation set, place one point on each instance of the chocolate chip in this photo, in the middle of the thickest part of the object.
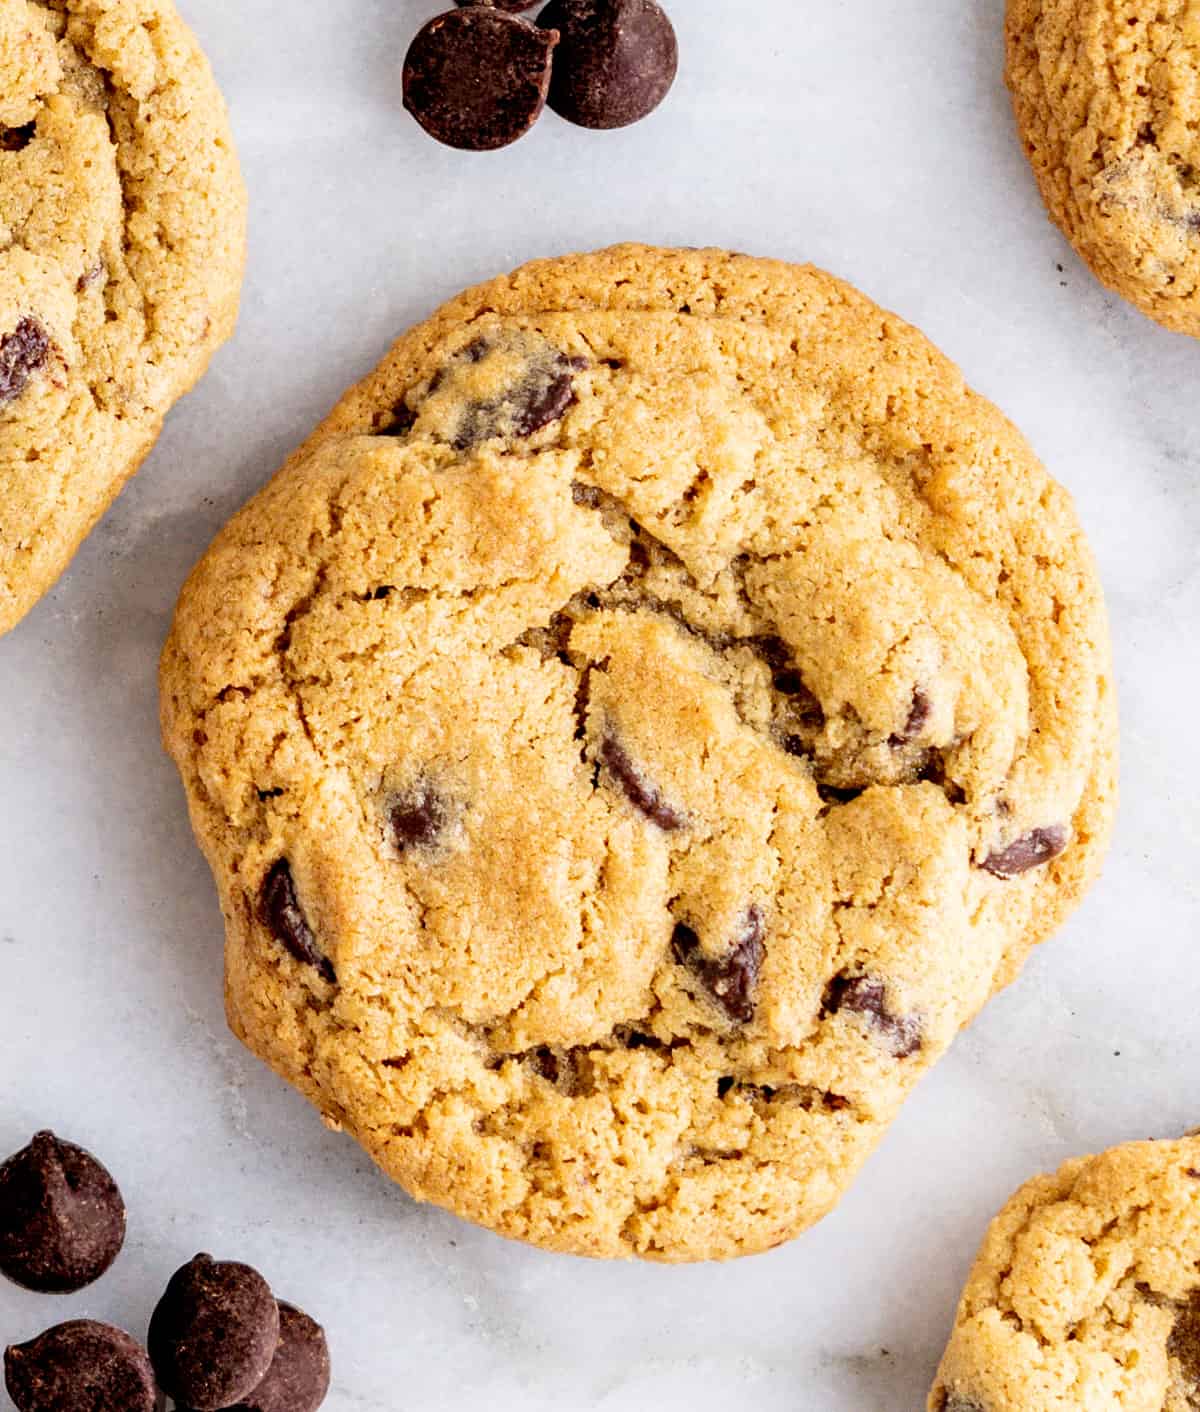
(616, 60)
(417, 817)
(512, 6)
(298, 1378)
(81, 1366)
(1184, 1343)
(1031, 851)
(543, 395)
(643, 795)
(22, 353)
(733, 978)
(918, 719)
(402, 421)
(16, 139)
(867, 996)
(477, 78)
(214, 1333)
(62, 1220)
(282, 914)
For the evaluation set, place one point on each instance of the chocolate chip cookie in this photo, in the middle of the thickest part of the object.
(121, 250)
(631, 736)
(1086, 1293)
(1107, 98)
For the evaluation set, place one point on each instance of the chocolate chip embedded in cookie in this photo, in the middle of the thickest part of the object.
(1086, 1291)
(62, 1219)
(618, 807)
(121, 262)
(1106, 98)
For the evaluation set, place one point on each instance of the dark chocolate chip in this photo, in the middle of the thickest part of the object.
(542, 396)
(724, 1085)
(1031, 851)
(643, 795)
(22, 353)
(732, 979)
(918, 718)
(477, 78)
(1184, 1343)
(16, 139)
(81, 1366)
(62, 1220)
(616, 61)
(282, 914)
(417, 817)
(867, 996)
(402, 421)
(512, 6)
(214, 1333)
(298, 1378)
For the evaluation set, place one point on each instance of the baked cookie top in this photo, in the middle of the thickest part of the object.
(122, 220)
(632, 736)
(1107, 98)
(1086, 1293)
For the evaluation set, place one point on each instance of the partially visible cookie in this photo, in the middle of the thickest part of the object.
(1107, 98)
(632, 735)
(1086, 1294)
(122, 224)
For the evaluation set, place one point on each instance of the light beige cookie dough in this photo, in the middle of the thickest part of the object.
(1086, 1294)
(631, 736)
(1107, 98)
(122, 233)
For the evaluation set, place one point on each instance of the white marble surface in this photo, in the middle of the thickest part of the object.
(874, 137)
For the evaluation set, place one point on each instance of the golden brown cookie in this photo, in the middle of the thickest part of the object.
(1086, 1294)
(1107, 98)
(632, 736)
(122, 231)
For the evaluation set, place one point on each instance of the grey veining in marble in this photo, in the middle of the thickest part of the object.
(873, 137)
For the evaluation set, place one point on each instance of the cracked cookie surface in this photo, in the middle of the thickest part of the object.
(632, 736)
(122, 221)
(1107, 99)
(1086, 1294)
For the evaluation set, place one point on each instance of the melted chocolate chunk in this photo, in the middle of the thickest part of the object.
(543, 396)
(16, 139)
(298, 1378)
(732, 980)
(918, 719)
(477, 78)
(81, 1366)
(867, 996)
(214, 1333)
(22, 353)
(1032, 851)
(616, 62)
(282, 914)
(417, 817)
(644, 796)
(62, 1219)
(1184, 1343)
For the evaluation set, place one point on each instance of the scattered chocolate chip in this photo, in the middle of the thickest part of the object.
(831, 795)
(22, 353)
(643, 795)
(62, 1220)
(724, 1085)
(918, 719)
(512, 6)
(214, 1333)
(417, 817)
(298, 1378)
(616, 61)
(16, 139)
(1192, 1172)
(1031, 851)
(402, 421)
(81, 1366)
(477, 78)
(282, 914)
(1184, 1343)
(732, 979)
(867, 996)
(541, 397)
